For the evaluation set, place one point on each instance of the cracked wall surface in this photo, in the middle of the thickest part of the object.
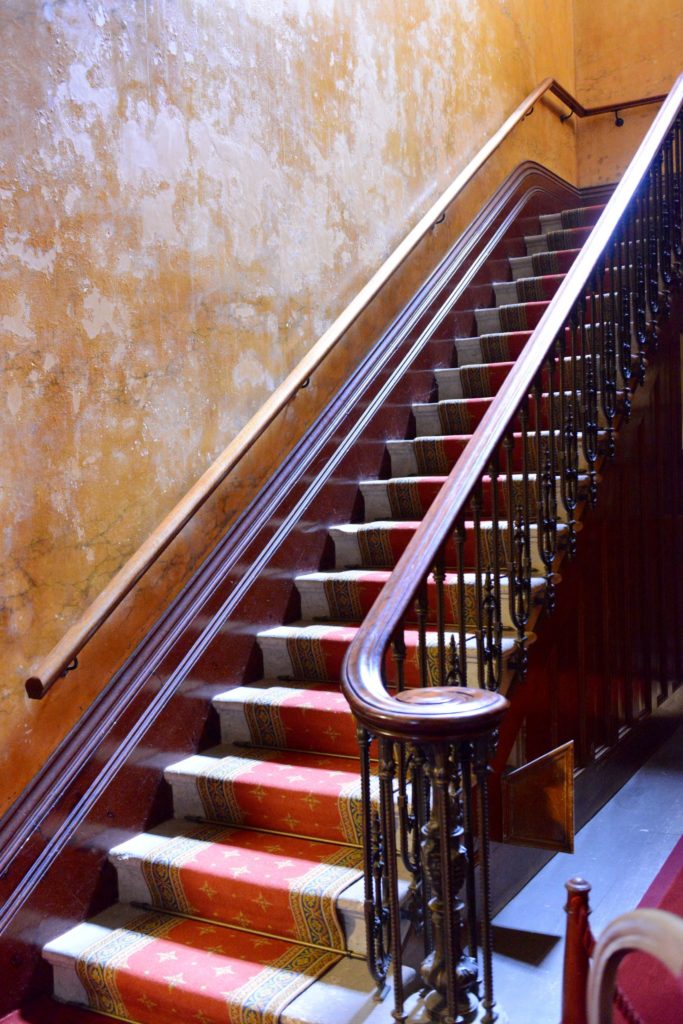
(624, 50)
(190, 193)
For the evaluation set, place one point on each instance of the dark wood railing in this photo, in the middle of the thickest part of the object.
(63, 656)
(482, 563)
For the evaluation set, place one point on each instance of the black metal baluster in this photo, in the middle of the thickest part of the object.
(650, 187)
(640, 293)
(566, 442)
(476, 505)
(373, 869)
(589, 402)
(493, 626)
(484, 749)
(546, 507)
(422, 810)
(677, 155)
(439, 575)
(387, 772)
(459, 540)
(606, 356)
(519, 567)
(469, 820)
(666, 227)
(422, 609)
(619, 283)
(449, 974)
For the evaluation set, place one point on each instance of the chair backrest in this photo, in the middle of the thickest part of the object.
(656, 932)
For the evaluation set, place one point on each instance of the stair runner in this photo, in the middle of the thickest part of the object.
(230, 911)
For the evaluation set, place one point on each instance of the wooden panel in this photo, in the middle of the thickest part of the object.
(538, 802)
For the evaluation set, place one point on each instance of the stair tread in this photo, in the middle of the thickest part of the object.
(300, 715)
(147, 966)
(279, 885)
(264, 787)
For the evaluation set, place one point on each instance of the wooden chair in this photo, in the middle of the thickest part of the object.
(656, 932)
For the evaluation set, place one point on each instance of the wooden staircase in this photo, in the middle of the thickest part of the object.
(250, 894)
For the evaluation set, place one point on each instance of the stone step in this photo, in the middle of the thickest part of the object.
(379, 545)
(264, 788)
(348, 596)
(463, 415)
(410, 497)
(527, 289)
(540, 264)
(557, 241)
(276, 885)
(295, 715)
(316, 651)
(438, 454)
(342, 991)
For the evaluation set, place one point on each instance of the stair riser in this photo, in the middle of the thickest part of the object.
(320, 604)
(278, 723)
(408, 500)
(381, 547)
(462, 416)
(523, 316)
(437, 456)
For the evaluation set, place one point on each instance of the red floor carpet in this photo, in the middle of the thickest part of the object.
(654, 994)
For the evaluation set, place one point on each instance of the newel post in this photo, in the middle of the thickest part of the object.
(456, 970)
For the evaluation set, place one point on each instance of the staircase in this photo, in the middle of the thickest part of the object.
(248, 905)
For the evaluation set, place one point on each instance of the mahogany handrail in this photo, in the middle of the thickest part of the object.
(362, 681)
(62, 655)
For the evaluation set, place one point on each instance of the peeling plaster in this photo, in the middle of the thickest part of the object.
(191, 193)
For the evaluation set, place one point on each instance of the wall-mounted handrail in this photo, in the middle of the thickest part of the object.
(363, 682)
(62, 657)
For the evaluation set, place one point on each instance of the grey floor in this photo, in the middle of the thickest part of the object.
(619, 852)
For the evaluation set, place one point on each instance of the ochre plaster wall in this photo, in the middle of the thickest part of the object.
(625, 49)
(191, 192)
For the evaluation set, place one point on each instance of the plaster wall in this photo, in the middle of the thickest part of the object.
(624, 50)
(191, 192)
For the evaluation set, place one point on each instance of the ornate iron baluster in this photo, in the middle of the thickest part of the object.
(519, 562)
(469, 819)
(546, 498)
(483, 750)
(606, 357)
(493, 626)
(666, 227)
(439, 575)
(387, 773)
(450, 975)
(376, 915)
(639, 291)
(421, 611)
(459, 539)
(476, 505)
(621, 290)
(677, 154)
(566, 442)
(589, 402)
